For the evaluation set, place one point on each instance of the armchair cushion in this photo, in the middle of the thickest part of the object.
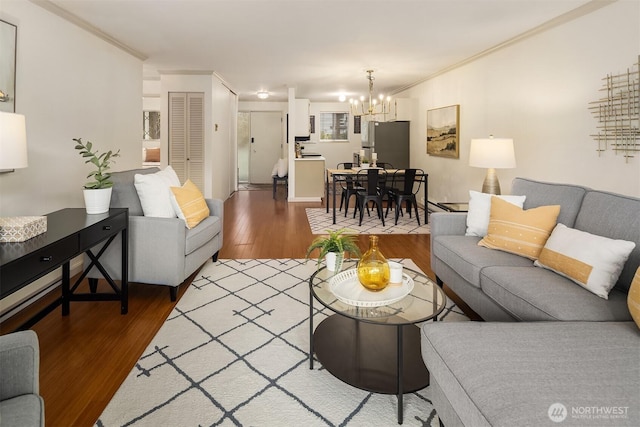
(189, 204)
(124, 194)
(20, 403)
(155, 194)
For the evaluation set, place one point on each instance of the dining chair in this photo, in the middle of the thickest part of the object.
(369, 179)
(347, 185)
(404, 189)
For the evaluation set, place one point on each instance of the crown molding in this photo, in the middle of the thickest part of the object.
(578, 12)
(70, 17)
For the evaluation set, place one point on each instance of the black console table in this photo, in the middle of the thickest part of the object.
(70, 232)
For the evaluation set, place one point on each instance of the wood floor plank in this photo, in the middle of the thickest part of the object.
(86, 356)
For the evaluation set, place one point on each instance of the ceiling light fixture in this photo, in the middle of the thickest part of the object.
(375, 107)
(263, 94)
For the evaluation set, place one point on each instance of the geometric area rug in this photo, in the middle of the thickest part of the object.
(320, 221)
(234, 353)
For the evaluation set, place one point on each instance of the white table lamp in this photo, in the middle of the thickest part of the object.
(492, 153)
(13, 142)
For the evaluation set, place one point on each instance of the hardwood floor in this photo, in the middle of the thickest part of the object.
(85, 356)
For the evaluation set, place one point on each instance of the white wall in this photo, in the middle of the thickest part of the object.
(537, 92)
(71, 85)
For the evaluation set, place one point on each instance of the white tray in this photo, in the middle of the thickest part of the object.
(348, 289)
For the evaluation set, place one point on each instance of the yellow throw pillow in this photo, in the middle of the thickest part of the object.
(633, 300)
(190, 204)
(521, 232)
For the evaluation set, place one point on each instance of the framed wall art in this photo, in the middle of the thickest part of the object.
(8, 34)
(443, 132)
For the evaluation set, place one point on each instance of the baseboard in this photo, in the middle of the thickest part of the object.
(17, 301)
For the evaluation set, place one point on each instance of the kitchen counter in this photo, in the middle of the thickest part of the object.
(309, 179)
(311, 158)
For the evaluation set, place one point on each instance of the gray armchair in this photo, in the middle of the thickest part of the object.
(20, 402)
(162, 251)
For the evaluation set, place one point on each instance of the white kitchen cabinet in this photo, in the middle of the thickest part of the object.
(401, 110)
(302, 117)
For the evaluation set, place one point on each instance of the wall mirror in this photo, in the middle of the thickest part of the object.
(151, 137)
(8, 33)
(150, 125)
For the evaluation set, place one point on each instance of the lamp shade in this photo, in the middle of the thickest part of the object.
(13, 141)
(494, 153)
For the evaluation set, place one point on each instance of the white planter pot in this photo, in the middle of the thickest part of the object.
(97, 201)
(364, 165)
(333, 261)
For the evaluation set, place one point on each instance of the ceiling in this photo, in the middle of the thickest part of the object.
(320, 47)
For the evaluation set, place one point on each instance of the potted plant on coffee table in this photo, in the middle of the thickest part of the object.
(333, 247)
(97, 191)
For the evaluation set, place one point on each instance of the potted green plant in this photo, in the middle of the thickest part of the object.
(97, 191)
(364, 163)
(333, 248)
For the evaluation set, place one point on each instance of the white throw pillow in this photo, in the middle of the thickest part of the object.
(283, 167)
(592, 261)
(274, 171)
(480, 211)
(155, 193)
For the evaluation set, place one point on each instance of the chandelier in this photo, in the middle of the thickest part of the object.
(375, 107)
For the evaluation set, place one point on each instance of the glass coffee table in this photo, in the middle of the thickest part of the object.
(374, 348)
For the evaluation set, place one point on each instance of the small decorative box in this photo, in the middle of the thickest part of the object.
(21, 228)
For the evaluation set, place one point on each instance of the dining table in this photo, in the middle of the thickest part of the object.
(334, 176)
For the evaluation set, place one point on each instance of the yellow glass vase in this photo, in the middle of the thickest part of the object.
(373, 268)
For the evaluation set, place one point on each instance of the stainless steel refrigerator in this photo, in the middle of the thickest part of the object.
(390, 140)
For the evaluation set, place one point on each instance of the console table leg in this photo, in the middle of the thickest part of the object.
(66, 279)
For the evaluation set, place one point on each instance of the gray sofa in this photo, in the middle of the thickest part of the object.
(162, 251)
(20, 402)
(585, 355)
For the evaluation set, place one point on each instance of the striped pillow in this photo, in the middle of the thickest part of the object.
(189, 203)
(512, 229)
(594, 262)
(633, 300)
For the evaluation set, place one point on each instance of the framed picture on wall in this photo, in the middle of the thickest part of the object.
(8, 34)
(443, 132)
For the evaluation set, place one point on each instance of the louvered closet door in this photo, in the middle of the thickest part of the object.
(186, 136)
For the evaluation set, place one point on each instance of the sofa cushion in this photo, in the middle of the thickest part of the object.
(509, 374)
(531, 294)
(617, 217)
(594, 262)
(124, 194)
(463, 255)
(480, 211)
(569, 197)
(512, 229)
(202, 233)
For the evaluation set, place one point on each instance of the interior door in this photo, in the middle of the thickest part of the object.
(266, 141)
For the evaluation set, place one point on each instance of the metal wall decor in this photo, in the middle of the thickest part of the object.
(618, 113)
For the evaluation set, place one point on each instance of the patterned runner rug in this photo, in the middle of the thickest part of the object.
(320, 221)
(234, 352)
